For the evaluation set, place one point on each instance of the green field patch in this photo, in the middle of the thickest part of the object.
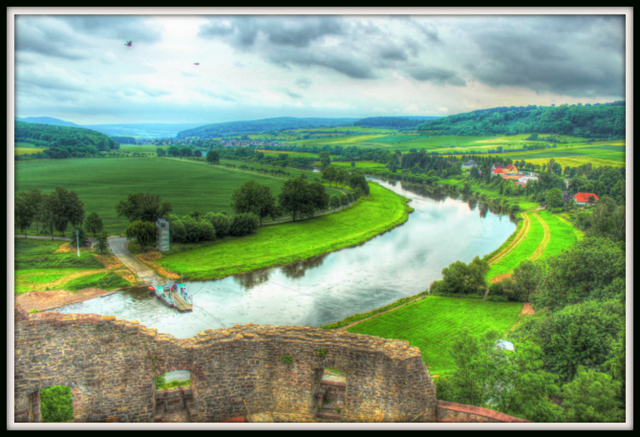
(609, 147)
(141, 148)
(288, 242)
(25, 246)
(432, 325)
(105, 281)
(398, 138)
(563, 235)
(524, 250)
(68, 260)
(359, 164)
(36, 279)
(28, 150)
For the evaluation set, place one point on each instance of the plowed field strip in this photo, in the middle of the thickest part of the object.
(517, 240)
(545, 241)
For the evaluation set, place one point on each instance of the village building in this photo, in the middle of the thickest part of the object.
(496, 166)
(583, 198)
(469, 164)
(511, 169)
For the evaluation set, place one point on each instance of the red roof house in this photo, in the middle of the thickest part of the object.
(583, 198)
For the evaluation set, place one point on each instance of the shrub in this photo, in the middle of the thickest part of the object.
(492, 298)
(322, 352)
(244, 224)
(220, 223)
(286, 359)
(56, 404)
(177, 231)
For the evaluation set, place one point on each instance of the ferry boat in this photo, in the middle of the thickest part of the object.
(173, 295)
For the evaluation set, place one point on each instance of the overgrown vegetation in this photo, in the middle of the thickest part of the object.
(56, 404)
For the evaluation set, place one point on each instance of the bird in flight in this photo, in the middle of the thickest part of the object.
(128, 44)
(196, 63)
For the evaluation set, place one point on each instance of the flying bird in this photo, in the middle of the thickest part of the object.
(196, 63)
(128, 44)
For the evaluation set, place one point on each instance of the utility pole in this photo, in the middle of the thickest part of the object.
(78, 241)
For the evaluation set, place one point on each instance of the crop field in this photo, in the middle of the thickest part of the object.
(359, 164)
(432, 324)
(276, 245)
(28, 150)
(102, 183)
(544, 236)
(20, 144)
(141, 148)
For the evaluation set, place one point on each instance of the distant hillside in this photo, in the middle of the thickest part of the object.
(62, 141)
(232, 128)
(142, 130)
(47, 120)
(125, 140)
(591, 121)
(400, 123)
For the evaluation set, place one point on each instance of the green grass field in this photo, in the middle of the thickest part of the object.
(102, 183)
(432, 325)
(141, 148)
(284, 243)
(28, 150)
(563, 234)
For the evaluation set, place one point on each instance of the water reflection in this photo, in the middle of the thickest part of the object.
(324, 289)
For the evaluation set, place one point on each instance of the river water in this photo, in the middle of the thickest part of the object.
(399, 263)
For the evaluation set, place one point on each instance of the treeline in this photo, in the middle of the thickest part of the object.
(124, 140)
(569, 363)
(592, 121)
(234, 128)
(399, 123)
(61, 141)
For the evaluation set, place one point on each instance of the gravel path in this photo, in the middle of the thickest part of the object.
(118, 245)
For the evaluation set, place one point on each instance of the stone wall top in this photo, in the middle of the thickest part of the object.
(394, 349)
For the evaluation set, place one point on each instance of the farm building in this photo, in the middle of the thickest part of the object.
(511, 169)
(469, 164)
(524, 178)
(496, 166)
(497, 171)
(583, 198)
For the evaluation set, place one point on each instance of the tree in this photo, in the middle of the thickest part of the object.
(578, 272)
(318, 198)
(213, 157)
(220, 223)
(185, 151)
(342, 177)
(526, 278)
(478, 269)
(143, 207)
(554, 198)
(591, 397)
(35, 198)
(358, 180)
(330, 174)
(324, 158)
(353, 164)
(197, 153)
(255, 198)
(335, 202)
(51, 207)
(143, 232)
(101, 241)
(93, 223)
(56, 404)
(161, 152)
(69, 209)
(24, 212)
(294, 198)
(173, 151)
(607, 220)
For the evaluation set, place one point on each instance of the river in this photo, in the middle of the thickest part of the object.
(399, 263)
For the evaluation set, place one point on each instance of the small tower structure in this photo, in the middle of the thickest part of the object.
(162, 235)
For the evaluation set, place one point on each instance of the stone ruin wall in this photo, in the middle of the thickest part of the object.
(111, 364)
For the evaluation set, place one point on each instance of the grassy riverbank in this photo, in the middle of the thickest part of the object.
(276, 245)
(433, 322)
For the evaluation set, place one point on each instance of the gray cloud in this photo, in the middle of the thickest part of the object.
(45, 39)
(213, 95)
(46, 82)
(439, 76)
(347, 66)
(289, 93)
(303, 82)
(119, 27)
(293, 31)
(392, 53)
(562, 54)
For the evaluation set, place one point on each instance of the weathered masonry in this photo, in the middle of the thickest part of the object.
(111, 364)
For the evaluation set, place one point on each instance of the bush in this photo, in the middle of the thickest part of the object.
(244, 224)
(56, 404)
(220, 223)
(177, 231)
(556, 210)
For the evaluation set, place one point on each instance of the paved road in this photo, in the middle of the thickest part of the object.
(118, 245)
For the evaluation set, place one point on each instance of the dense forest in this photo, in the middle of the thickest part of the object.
(124, 140)
(232, 128)
(592, 121)
(61, 141)
(400, 123)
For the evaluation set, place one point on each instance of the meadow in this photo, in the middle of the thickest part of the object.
(28, 150)
(288, 242)
(54, 265)
(102, 183)
(433, 323)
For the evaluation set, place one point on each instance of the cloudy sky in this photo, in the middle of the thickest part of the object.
(77, 68)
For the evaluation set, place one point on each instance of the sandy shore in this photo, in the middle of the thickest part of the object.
(48, 300)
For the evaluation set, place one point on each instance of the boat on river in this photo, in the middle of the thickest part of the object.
(173, 295)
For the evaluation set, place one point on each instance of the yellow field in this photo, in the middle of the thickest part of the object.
(28, 150)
